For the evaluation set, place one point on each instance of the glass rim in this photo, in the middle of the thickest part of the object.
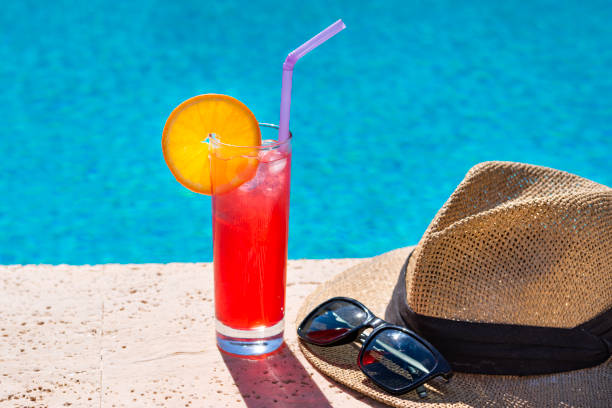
(275, 144)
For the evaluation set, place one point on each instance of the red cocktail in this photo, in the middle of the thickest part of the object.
(213, 145)
(250, 230)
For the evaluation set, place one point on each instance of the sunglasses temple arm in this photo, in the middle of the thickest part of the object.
(421, 391)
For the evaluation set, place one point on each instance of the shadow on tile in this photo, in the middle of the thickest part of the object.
(279, 380)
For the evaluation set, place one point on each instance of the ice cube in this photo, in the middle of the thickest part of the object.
(255, 181)
(277, 166)
(274, 161)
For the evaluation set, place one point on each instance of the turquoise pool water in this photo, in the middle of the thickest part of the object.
(387, 117)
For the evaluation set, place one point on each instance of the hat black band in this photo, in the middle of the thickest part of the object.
(489, 348)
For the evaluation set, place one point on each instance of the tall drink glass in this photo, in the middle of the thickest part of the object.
(250, 230)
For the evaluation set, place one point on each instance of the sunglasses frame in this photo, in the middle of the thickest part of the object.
(441, 368)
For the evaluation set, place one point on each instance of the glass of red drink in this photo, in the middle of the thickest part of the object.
(250, 230)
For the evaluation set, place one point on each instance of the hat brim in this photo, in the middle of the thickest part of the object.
(372, 282)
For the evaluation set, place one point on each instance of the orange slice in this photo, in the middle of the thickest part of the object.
(185, 143)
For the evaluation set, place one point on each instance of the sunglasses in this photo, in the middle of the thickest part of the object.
(393, 357)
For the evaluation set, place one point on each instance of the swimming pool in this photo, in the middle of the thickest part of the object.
(387, 117)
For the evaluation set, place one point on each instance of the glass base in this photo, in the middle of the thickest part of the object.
(253, 342)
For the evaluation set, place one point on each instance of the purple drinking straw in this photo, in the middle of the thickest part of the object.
(314, 42)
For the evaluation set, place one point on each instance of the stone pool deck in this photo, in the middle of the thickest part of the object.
(143, 336)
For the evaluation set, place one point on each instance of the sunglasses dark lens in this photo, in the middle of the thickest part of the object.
(396, 359)
(332, 321)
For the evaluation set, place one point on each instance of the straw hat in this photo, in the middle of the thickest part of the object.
(512, 282)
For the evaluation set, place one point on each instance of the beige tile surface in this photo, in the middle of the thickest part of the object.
(50, 336)
(143, 336)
